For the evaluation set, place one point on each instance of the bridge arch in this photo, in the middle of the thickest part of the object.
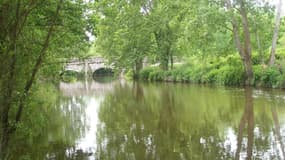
(103, 71)
(92, 65)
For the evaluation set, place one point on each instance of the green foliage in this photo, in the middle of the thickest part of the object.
(145, 73)
(224, 71)
(35, 35)
(124, 35)
(231, 75)
(268, 77)
(162, 30)
(71, 76)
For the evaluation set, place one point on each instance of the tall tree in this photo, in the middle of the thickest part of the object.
(244, 48)
(275, 34)
(33, 32)
(124, 35)
(166, 18)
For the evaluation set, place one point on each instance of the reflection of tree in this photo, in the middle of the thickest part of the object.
(153, 123)
(250, 122)
(277, 130)
(262, 142)
(166, 121)
(248, 116)
(51, 126)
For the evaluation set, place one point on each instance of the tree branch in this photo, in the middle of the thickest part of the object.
(37, 65)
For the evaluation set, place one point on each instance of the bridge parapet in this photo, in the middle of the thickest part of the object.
(87, 65)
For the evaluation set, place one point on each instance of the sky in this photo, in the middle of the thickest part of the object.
(276, 2)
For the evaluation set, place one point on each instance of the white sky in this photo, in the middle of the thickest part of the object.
(276, 2)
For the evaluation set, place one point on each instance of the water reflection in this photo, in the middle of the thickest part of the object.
(161, 121)
(247, 117)
(166, 121)
(97, 88)
(277, 131)
(61, 125)
(51, 131)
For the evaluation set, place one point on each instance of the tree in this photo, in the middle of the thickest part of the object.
(261, 22)
(30, 35)
(275, 34)
(123, 34)
(245, 48)
(166, 18)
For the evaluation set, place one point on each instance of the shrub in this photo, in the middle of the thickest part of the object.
(230, 75)
(145, 73)
(212, 75)
(258, 71)
(266, 76)
(280, 81)
(156, 75)
(129, 74)
(226, 71)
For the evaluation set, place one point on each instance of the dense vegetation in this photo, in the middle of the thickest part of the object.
(204, 35)
(229, 42)
(225, 71)
(35, 37)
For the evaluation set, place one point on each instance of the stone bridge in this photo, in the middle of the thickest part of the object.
(89, 65)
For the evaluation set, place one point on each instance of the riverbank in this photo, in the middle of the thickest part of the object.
(225, 71)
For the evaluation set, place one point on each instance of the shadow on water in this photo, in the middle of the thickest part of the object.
(117, 120)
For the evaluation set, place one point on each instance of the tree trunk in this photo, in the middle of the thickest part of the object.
(8, 90)
(137, 68)
(163, 50)
(275, 34)
(6, 105)
(171, 61)
(164, 62)
(260, 52)
(37, 66)
(247, 44)
(248, 69)
(245, 49)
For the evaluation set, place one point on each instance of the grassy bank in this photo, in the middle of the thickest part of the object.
(224, 71)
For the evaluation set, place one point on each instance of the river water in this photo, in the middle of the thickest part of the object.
(119, 120)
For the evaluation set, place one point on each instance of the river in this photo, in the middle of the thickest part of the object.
(120, 120)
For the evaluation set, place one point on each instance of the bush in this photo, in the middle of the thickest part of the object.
(156, 75)
(227, 71)
(211, 76)
(230, 75)
(227, 75)
(267, 76)
(280, 81)
(144, 74)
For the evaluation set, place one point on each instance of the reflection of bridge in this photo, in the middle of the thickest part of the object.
(85, 88)
(88, 65)
(82, 88)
